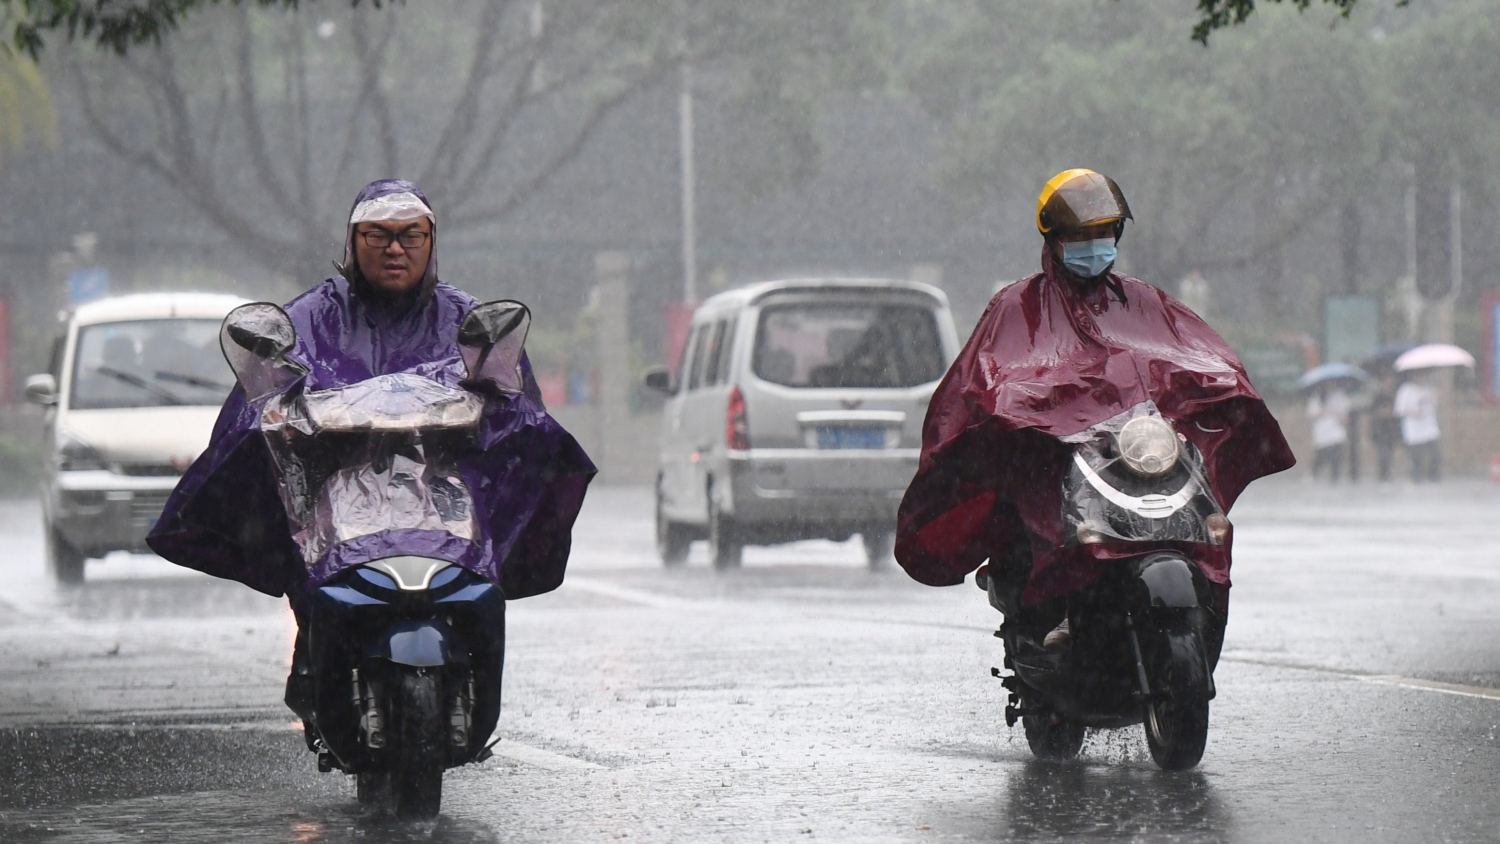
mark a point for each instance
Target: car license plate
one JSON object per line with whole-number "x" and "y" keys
{"x": 845, "y": 436}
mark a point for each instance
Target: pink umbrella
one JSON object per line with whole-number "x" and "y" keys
{"x": 1432, "y": 356}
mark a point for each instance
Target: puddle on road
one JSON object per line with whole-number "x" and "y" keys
{"x": 272, "y": 817}
{"x": 169, "y": 783}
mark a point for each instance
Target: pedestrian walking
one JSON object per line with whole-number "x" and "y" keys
{"x": 1385, "y": 425}
{"x": 1416, "y": 405}
{"x": 1328, "y": 408}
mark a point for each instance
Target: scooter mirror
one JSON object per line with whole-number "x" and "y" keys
{"x": 491, "y": 340}
{"x": 255, "y": 339}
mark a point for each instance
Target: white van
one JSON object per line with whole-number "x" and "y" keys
{"x": 133, "y": 388}
{"x": 797, "y": 413}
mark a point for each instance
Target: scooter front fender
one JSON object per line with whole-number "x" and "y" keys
{"x": 1168, "y": 580}
{"x": 420, "y": 644}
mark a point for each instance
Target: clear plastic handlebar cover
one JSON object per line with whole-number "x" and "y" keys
{"x": 374, "y": 456}
{"x": 399, "y": 402}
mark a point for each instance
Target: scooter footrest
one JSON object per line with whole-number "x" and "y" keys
{"x": 1016, "y": 713}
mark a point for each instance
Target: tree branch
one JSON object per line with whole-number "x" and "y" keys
{"x": 443, "y": 161}
{"x": 255, "y": 136}
{"x": 531, "y": 186}
{"x": 174, "y": 173}
{"x": 371, "y": 65}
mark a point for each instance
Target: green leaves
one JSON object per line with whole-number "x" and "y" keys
{"x": 1219, "y": 14}
{"x": 116, "y": 25}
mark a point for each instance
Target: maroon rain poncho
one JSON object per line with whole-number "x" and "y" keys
{"x": 1049, "y": 359}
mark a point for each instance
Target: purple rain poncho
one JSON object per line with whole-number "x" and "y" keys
{"x": 527, "y": 476}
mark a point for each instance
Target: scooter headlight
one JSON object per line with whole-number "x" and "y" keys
{"x": 1148, "y": 445}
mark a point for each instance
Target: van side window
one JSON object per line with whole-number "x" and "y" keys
{"x": 700, "y": 351}
{"x": 726, "y": 350}
{"x": 715, "y": 351}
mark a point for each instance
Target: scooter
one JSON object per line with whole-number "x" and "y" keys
{"x": 1143, "y": 640}
{"x": 398, "y": 666}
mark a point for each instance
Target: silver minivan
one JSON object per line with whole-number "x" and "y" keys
{"x": 131, "y": 395}
{"x": 796, "y": 413}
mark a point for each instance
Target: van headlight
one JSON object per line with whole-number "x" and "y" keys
{"x": 75, "y": 455}
{"x": 1148, "y": 445}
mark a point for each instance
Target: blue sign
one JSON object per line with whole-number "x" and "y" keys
{"x": 1495, "y": 348}
{"x": 88, "y": 283}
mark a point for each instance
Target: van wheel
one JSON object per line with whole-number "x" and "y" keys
{"x": 65, "y": 561}
{"x": 725, "y": 545}
{"x": 672, "y": 540}
{"x": 880, "y": 547}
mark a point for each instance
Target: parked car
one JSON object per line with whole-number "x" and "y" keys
{"x": 796, "y": 413}
{"x": 133, "y": 388}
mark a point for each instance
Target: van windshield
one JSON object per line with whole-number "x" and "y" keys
{"x": 149, "y": 363}
{"x": 837, "y": 344}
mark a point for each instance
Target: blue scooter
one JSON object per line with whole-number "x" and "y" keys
{"x": 397, "y": 669}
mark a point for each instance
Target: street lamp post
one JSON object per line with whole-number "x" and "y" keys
{"x": 689, "y": 189}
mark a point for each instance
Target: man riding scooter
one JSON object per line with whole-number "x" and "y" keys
{"x": 380, "y": 467}
{"x": 1088, "y": 442}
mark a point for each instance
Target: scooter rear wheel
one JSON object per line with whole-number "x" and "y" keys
{"x": 1053, "y": 738}
{"x": 421, "y": 753}
{"x": 1177, "y": 721}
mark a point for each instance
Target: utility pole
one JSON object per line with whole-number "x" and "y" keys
{"x": 689, "y": 189}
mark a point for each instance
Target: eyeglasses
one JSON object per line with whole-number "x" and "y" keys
{"x": 380, "y": 238}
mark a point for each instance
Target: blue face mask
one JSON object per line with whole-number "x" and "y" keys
{"x": 1089, "y": 258}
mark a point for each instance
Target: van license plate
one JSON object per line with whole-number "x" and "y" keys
{"x": 830, "y": 436}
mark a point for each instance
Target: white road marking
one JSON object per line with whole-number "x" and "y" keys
{"x": 1379, "y": 679}
{"x": 628, "y": 594}
{"x": 540, "y": 758}
{"x": 1433, "y": 686}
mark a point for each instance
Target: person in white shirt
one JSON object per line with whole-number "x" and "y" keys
{"x": 1416, "y": 405}
{"x": 1328, "y": 408}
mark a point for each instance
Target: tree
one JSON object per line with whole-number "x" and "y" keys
{"x": 25, "y": 103}
{"x": 1230, "y": 152}
{"x": 120, "y": 25}
{"x": 262, "y": 118}
{"x": 1214, "y": 15}
{"x": 116, "y": 26}
{"x": 1280, "y": 140}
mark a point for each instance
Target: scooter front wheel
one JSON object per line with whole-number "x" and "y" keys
{"x": 373, "y": 788}
{"x": 1177, "y": 720}
{"x": 416, "y": 780}
{"x": 1052, "y": 737}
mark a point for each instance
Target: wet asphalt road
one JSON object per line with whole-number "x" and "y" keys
{"x": 799, "y": 699}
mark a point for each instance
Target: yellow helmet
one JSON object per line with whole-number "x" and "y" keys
{"x": 1079, "y": 198}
